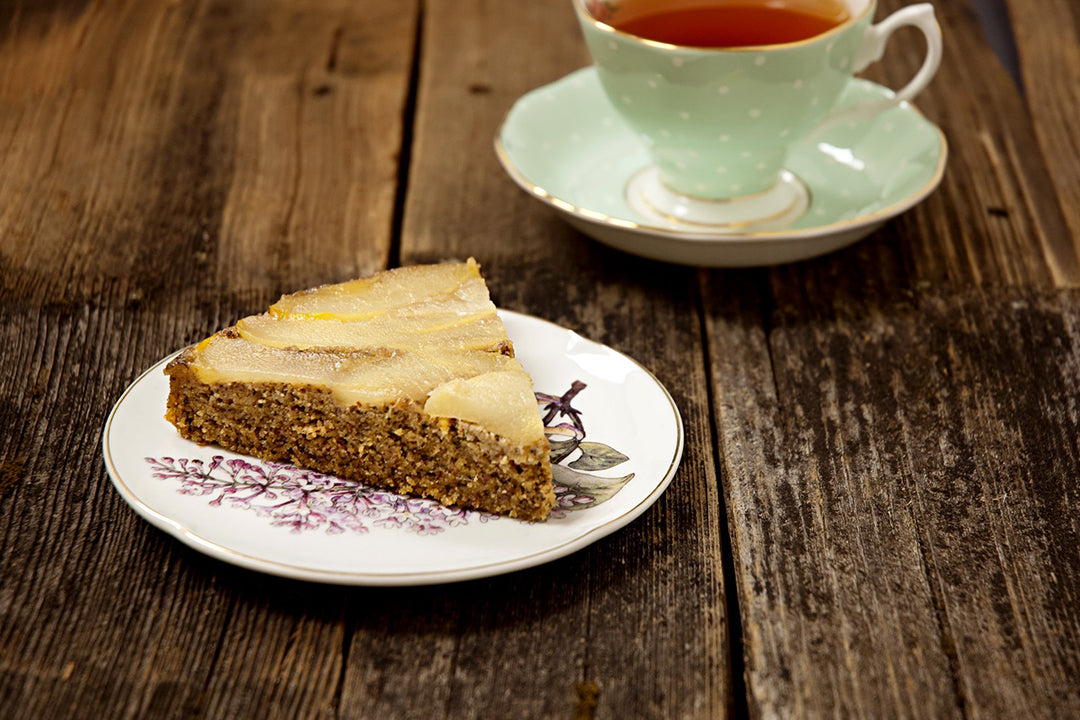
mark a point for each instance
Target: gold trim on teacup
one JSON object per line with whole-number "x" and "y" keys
{"x": 718, "y": 200}
{"x": 734, "y": 225}
{"x": 579, "y": 7}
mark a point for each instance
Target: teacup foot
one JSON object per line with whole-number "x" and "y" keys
{"x": 773, "y": 209}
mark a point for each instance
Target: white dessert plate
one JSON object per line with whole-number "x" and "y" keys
{"x": 617, "y": 440}
{"x": 567, "y": 146}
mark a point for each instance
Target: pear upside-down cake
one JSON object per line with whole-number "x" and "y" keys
{"x": 405, "y": 380}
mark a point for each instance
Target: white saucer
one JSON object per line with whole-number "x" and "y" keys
{"x": 285, "y": 521}
{"x": 566, "y": 145}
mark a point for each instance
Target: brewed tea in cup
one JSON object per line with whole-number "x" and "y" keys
{"x": 718, "y": 90}
{"x": 741, "y": 23}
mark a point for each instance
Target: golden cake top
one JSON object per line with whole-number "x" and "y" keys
{"x": 426, "y": 334}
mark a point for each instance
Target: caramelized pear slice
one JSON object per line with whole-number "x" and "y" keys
{"x": 428, "y": 335}
{"x": 501, "y": 401}
{"x": 371, "y": 376}
{"x": 396, "y": 289}
{"x": 451, "y": 332}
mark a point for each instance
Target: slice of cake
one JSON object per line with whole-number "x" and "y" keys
{"x": 404, "y": 381}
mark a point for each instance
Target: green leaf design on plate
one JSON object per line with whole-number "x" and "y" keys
{"x": 560, "y": 449}
{"x": 597, "y": 456}
{"x": 598, "y": 488}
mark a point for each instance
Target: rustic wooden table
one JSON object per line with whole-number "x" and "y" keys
{"x": 876, "y": 514}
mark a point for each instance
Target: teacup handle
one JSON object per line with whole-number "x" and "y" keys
{"x": 875, "y": 39}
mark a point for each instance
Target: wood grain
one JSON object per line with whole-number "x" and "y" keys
{"x": 229, "y": 139}
{"x": 876, "y": 511}
{"x": 995, "y": 219}
{"x": 659, "y": 581}
{"x": 897, "y": 428}
{"x": 167, "y": 168}
{"x": 901, "y": 496}
{"x": 1048, "y": 44}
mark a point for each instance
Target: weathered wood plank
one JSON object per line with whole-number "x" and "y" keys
{"x": 837, "y": 617}
{"x": 250, "y": 143}
{"x": 168, "y": 167}
{"x": 899, "y": 467}
{"x": 995, "y": 219}
{"x": 1048, "y": 45}
{"x": 867, "y": 409}
{"x": 996, "y": 495}
{"x": 71, "y": 603}
{"x": 642, "y": 614}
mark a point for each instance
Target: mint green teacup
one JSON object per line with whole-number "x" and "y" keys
{"x": 718, "y": 122}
